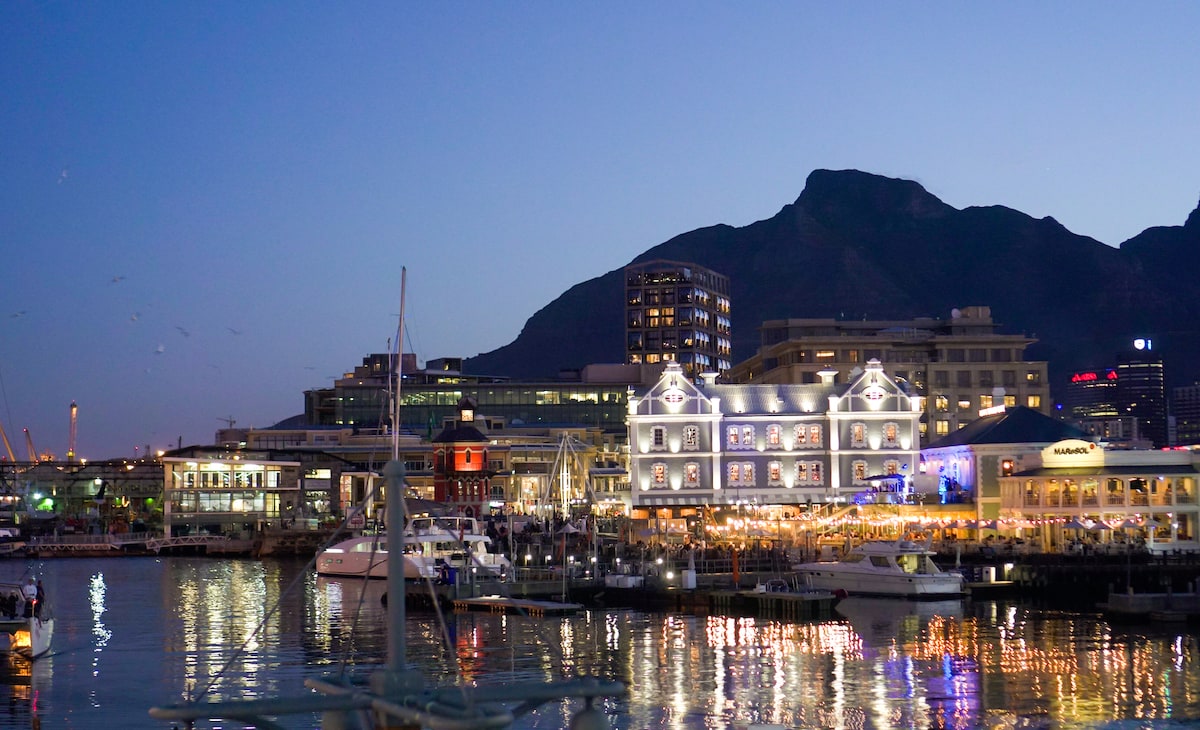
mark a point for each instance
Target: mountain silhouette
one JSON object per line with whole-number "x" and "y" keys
{"x": 860, "y": 246}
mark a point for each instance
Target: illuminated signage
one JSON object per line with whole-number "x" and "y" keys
{"x": 1142, "y": 343}
{"x": 1092, "y": 376}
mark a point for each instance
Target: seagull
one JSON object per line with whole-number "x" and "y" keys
{"x": 117, "y": 279}
{"x": 183, "y": 332}
{"x": 236, "y": 332}
{"x": 134, "y": 317}
{"x": 160, "y": 349}
{"x": 18, "y": 314}
{"x": 63, "y": 175}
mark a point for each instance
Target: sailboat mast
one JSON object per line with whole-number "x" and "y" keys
{"x": 399, "y": 368}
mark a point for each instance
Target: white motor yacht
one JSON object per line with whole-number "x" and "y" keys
{"x": 431, "y": 544}
{"x": 884, "y": 568}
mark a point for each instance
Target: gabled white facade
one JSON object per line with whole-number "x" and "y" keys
{"x": 697, "y": 444}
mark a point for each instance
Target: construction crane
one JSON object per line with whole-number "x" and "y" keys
{"x": 33, "y": 456}
{"x": 7, "y": 445}
{"x": 228, "y": 421}
{"x": 71, "y": 436}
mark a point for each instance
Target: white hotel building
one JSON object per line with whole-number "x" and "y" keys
{"x": 702, "y": 443}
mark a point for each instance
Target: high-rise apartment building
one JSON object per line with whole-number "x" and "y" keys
{"x": 1185, "y": 408}
{"x": 677, "y": 312}
{"x": 960, "y": 366}
{"x": 1141, "y": 391}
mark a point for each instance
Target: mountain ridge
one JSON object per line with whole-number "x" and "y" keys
{"x": 859, "y": 244}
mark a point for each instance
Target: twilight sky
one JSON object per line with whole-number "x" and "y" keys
{"x": 205, "y": 206}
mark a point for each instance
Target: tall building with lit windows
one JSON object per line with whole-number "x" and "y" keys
{"x": 677, "y": 312}
{"x": 1141, "y": 391}
{"x": 961, "y": 366}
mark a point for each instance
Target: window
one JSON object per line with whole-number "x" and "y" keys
{"x": 691, "y": 438}
{"x": 733, "y": 474}
{"x": 962, "y": 378}
{"x": 733, "y": 437}
{"x": 658, "y": 438}
{"x": 814, "y": 472}
{"x": 942, "y": 427}
{"x": 774, "y": 473}
{"x": 691, "y": 474}
{"x": 859, "y": 469}
{"x": 740, "y": 473}
{"x": 858, "y": 435}
{"x": 891, "y": 466}
{"x": 891, "y": 434}
{"x": 941, "y": 403}
{"x": 659, "y": 471}
{"x": 748, "y": 474}
{"x": 801, "y": 472}
{"x": 800, "y": 434}
{"x": 814, "y": 436}
{"x": 747, "y": 435}
{"x": 774, "y": 435}
{"x": 985, "y": 401}
{"x": 1034, "y": 401}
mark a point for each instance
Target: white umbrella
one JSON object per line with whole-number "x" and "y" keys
{"x": 568, "y": 529}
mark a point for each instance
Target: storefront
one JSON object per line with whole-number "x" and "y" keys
{"x": 1083, "y": 495}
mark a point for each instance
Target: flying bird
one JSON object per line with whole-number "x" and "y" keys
{"x": 134, "y": 317}
{"x": 183, "y": 332}
{"x": 117, "y": 279}
{"x": 63, "y": 175}
{"x": 236, "y": 332}
{"x": 18, "y": 314}
{"x": 160, "y": 349}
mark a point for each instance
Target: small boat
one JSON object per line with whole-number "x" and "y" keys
{"x": 433, "y": 547}
{"x": 26, "y": 624}
{"x": 884, "y": 568}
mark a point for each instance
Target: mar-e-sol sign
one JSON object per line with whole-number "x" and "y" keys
{"x": 1072, "y": 452}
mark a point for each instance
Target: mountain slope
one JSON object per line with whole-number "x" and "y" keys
{"x": 858, "y": 245}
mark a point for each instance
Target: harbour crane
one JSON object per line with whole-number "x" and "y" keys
{"x": 33, "y": 456}
{"x": 7, "y": 445}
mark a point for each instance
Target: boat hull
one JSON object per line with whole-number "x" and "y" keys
{"x": 30, "y": 638}
{"x": 835, "y": 577}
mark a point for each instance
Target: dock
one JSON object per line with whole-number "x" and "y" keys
{"x": 521, "y": 606}
{"x": 1152, "y": 607}
{"x": 784, "y": 605}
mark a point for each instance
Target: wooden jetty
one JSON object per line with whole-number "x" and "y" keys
{"x": 523, "y": 606}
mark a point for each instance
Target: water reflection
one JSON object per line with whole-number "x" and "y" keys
{"x": 134, "y": 633}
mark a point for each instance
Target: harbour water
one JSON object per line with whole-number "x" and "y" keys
{"x": 138, "y": 632}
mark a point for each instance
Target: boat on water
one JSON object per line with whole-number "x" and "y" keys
{"x": 26, "y": 621}
{"x": 433, "y": 546}
{"x": 884, "y": 568}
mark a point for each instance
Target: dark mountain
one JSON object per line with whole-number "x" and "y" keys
{"x": 856, "y": 245}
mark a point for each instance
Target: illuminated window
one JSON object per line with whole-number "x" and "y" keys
{"x": 747, "y": 435}
{"x": 1034, "y": 401}
{"x": 985, "y": 401}
{"x": 1010, "y": 401}
{"x": 941, "y": 403}
{"x": 814, "y": 472}
{"x": 659, "y": 470}
{"x": 774, "y": 434}
{"x": 774, "y": 473}
{"x": 691, "y": 438}
{"x": 801, "y": 472}
{"x": 891, "y": 466}
{"x": 814, "y": 436}
{"x": 733, "y": 437}
{"x": 891, "y": 434}
{"x": 942, "y": 427}
{"x": 858, "y": 435}
{"x": 748, "y": 474}
{"x": 800, "y": 434}
{"x": 691, "y": 474}
{"x": 733, "y": 473}
{"x": 859, "y": 469}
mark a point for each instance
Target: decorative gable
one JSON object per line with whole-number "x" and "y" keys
{"x": 674, "y": 394}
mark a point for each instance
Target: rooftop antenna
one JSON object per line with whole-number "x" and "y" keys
{"x": 399, "y": 371}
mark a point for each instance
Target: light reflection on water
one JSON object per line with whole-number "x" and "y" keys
{"x": 137, "y": 632}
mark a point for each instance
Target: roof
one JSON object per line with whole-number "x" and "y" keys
{"x": 1122, "y": 470}
{"x": 1019, "y": 425}
{"x": 460, "y": 434}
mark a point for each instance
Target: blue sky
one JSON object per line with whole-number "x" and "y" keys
{"x": 205, "y": 206}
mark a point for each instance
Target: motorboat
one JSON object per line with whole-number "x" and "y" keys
{"x": 26, "y": 621}
{"x": 433, "y": 546}
{"x": 884, "y": 568}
